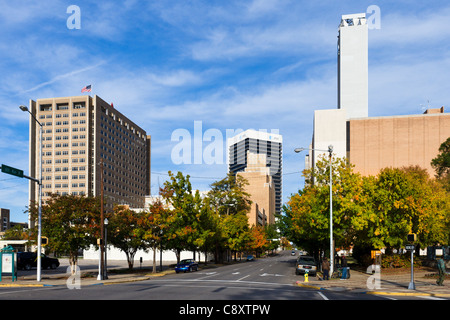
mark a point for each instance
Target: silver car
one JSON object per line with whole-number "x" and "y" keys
{"x": 306, "y": 264}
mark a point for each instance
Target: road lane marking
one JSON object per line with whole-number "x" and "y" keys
{"x": 243, "y": 277}
{"x": 322, "y": 295}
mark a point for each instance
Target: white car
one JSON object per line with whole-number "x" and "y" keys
{"x": 306, "y": 264}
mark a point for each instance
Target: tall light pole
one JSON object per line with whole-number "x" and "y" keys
{"x": 39, "y": 240}
{"x": 330, "y": 151}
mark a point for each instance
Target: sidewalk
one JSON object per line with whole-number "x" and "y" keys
{"x": 389, "y": 284}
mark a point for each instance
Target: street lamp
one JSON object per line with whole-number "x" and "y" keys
{"x": 105, "y": 269}
{"x": 38, "y": 275}
{"x": 330, "y": 151}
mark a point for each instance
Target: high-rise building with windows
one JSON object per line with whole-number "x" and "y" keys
{"x": 258, "y": 142}
{"x": 80, "y": 135}
{"x": 353, "y": 65}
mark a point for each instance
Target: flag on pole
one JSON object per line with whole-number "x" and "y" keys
{"x": 86, "y": 89}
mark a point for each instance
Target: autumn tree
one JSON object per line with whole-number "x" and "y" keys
{"x": 71, "y": 223}
{"x": 258, "y": 239}
{"x": 185, "y": 205}
{"x": 307, "y": 213}
{"x": 229, "y": 204}
{"x": 406, "y": 200}
{"x": 156, "y": 225}
{"x": 126, "y": 232}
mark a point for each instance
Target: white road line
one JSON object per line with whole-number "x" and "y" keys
{"x": 431, "y": 298}
{"x": 322, "y": 295}
{"x": 243, "y": 277}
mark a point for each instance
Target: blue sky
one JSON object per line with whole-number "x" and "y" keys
{"x": 262, "y": 64}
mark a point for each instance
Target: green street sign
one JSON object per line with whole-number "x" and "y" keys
{"x": 13, "y": 171}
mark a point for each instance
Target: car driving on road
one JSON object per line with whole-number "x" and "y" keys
{"x": 186, "y": 265}
{"x": 306, "y": 264}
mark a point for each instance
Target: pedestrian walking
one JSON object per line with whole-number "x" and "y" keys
{"x": 441, "y": 269}
{"x": 344, "y": 268}
{"x": 326, "y": 269}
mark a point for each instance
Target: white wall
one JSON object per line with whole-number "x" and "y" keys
{"x": 330, "y": 128}
{"x": 167, "y": 256}
{"x": 353, "y": 66}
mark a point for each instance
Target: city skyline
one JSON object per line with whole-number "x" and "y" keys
{"x": 264, "y": 64}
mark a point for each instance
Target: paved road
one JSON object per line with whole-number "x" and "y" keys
{"x": 264, "y": 279}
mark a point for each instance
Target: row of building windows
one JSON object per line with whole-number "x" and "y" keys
{"x": 59, "y": 130}
{"x": 62, "y": 106}
{"x": 64, "y": 153}
{"x": 64, "y": 185}
{"x": 81, "y": 136}
{"x": 63, "y": 123}
{"x": 74, "y": 144}
{"x": 62, "y": 115}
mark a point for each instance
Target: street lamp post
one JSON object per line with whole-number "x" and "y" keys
{"x": 105, "y": 267}
{"x": 39, "y": 240}
{"x": 330, "y": 151}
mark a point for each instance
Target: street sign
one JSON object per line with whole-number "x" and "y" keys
{"x": 13, "y": 171}
{"x": 409, "y": 247}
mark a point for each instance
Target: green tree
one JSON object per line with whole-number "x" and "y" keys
{"x": 407, "y": 200}
{"x": 15, "y": 233}
{"x": 442, "y": 164}
{"x": 71, "y": 223}
{"x": 126, "y": 232}
{"x": 307, "y": 213}
{"x": 185, "y": 205}
{"x": 228, "y": 205}
{"x": 156, "y": 223}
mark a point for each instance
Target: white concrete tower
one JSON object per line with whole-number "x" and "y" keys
{"x": 353, "y": 65}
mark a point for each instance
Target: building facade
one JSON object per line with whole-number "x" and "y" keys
{"x": 353, "y": 65}
{"x": 258, "y": 142}
{"x": 397, "y": 141}
{"x": 372, "y": 143}
{"x": 261, "y": 189}
{"x": 5, "y": 219}
{"x": 80, "y": 135}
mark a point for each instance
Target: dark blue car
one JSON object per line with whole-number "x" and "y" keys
{"x": 186, "y": 265}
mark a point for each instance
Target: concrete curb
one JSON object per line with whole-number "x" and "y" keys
{"x": 384, "y": 293}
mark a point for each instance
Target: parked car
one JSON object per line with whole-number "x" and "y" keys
{"x": 306, "y": 264}
{"x": 250, "y": 257}
{"x": 186, "y": 265}
{"x": 28, "y": 260}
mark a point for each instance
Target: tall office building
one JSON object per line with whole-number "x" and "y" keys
{"x": 79, "y": 132}
{"x": 258, "y": 142}
{"x": 330, "y": 126}
{"x": 353, "y": 66}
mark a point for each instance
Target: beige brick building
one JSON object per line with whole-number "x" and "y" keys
{"x": 396, "y": 141}
{"x": 79, "y": 132}
{"x": 261, "y": 189}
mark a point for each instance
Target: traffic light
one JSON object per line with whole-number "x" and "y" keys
{"x": 44, "y": 241}
{"x": 412, "y": 237}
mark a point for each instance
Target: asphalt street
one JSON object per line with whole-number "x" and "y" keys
{"x": 266, "y": 279}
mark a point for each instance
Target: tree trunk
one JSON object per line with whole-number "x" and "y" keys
{"x": 130, "y": 258}
{"x": 154, "y": 259}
